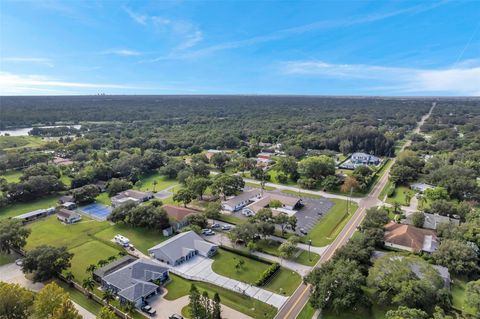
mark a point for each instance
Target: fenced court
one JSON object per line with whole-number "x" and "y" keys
{"x": 97, "y": 211}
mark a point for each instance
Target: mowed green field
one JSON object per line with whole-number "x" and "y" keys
{"x": 13, "y": 142}
{"x": 400, "y": 196}
{"x": 12, "y": 176}
{"x": 146, "y": 183}
{"x": 179, "y": 287}
{"x": 21, "y": 208}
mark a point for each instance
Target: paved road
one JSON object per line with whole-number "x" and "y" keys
{"x": 297, "y": 301}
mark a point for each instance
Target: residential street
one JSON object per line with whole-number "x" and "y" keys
{"x": 300, "y": 297}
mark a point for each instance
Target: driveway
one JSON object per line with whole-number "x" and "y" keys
{"x": 12, "y": 273}
{"x": 166, "y": 308}
{"x": 200, "y": 268}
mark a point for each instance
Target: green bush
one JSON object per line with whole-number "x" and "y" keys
{"x": 267, "y": 274}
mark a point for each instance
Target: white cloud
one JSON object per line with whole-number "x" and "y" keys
{"x": 138, "y": 18}
{"x": 461, "y": 79}
{"x": 123, "y": 52}
{"x": 42, "y": 61}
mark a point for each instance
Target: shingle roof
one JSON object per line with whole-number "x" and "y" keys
{"x": 242, "y": 197}
{"x": 409, "y": 236}
{"x": 174, "y": 247}
{"x": 177, "y": 213}
{"x": 114, "y": 265}
{"x": 65, "y": 213}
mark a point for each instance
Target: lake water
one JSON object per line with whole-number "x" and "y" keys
{"x": 24, "y": 131}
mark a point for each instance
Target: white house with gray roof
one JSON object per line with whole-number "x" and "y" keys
{"x": 134, "y": 281}
{"x": 238, "y": 202}
{"x": 181, "y": 248}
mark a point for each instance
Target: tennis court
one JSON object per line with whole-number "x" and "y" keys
{"x": 97, "y": 211}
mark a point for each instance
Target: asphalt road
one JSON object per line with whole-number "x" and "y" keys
{"x": 297, "y": 301}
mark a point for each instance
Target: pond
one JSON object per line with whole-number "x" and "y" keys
{"x": 24, "y": 131}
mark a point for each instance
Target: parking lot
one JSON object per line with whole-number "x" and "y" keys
{"x": 311, "y": 212}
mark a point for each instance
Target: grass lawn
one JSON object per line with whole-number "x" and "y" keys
{"x": 8, "y": 258}
{"x": 179, "y": 287}
{"x": 224, "y": 264}
{"x": 284, "y": 282}
{"x": 89, "y": 253}
{"x": 12, "y": 176}
{"x": 458, "y": 296}
{"x": 271, "y": 247}
{"x": 274, "y": 173}
{"x": 328, "y": 228}
{"x": 400, "y": 195}
{"x": 104, "y": 199}
{"x": 385, "y": 189}
{"x": 254, "y": 185}
{"x": 231, "y": 219}
{"x": 307, "y": 312}
{"x": 13, "y": 142}
{"x": 66, "y": 180}
{"x": 146, "y": 183}
{"x": 142, "y": 239}
{"x": 80, "y": 298}
{"x": 21, "y": 208}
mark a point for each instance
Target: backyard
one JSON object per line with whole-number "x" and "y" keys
{"x": 21, "y": 208}
{"x": 400, "y": 196}
{"x": 179, "y": 287}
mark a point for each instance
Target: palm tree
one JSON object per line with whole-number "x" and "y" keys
{"x": 396, "y": 207}
{"x": 108, "y": 296}
{"x": 88, "y": 284}
{"x": 91, "y": 268}
{"x": 69, "y": 277}
{"x": 154, "y": 185}
{"x": 129, "y": 308}
{"x": 102, "y": 262}
{"x": 111, "y": 258}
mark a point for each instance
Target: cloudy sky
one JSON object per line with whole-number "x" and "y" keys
{"x": 240, "y": 47}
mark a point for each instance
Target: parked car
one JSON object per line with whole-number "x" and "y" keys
{"x": 19, "y": 262}
{"x": 209, "y": 232}
{"x": 226, "y": 227}
{"x": 215, "y": 225}
{"x": 303, "y": 231}
{"x": 175, "y": 316}
{"x": 149, "y": 310}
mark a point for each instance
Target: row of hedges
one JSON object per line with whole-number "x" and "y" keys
{"x": 267, "y": 274}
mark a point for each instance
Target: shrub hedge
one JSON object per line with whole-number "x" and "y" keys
{"x": 267, "y": 274}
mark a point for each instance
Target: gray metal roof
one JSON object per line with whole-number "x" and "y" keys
{"x": 177, "y": 246}
{"x": 114, "y": 265}
{"x": 36, "y": 212}
{"x": 133, "y": 279}
{"x": 242, "y": 197}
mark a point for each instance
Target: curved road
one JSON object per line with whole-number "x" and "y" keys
{"x": 297, "y": 301}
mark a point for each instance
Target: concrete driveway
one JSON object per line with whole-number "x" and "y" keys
{"x": 166, "y": 308}
{"x": 12, "y": 273}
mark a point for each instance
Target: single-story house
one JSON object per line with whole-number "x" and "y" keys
{"x": 364, "y": 158}
{"x": 69, "y": 205}
{"x": 432, "y": 221}
{"x": 238, "y": 202}
{"x": 99, "y": 273}
{"x": 131, "y": 196}
{"x": 210, "y": 153}
{"x": 289, "y": 204}
{"x": 65, "y": 199}
{"x": 181, "y": 248}
{"x": 36, "y": 214}
{"x": 410, "y": 238}
{"x": 134, "y": 281}
{"x": 178, "y": 215}
{"x": 68, "y": 216}
{"x": 421, "y": 187}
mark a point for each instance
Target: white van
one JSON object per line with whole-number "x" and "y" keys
{"x": 122, "y": 240}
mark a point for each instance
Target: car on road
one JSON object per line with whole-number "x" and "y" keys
{"x": 149, "y": 310}
{"x": 226, "y": 227}
{"x": 19, "y": 262}
{"x": 175, "y": 316}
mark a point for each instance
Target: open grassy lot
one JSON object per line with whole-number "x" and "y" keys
{"x": 104, "y": 199}
{"x": 400, "y": 195}
{"x": 142, "y": 239}
{"x": 284, "y": 282}
{"x": 66, "y": 180}
{"x": 328, "y": 228}
{"x": 301, "y": 256}
{"x": 13, "y": 142}
{"x": 225, "y": 261}
{"x": 273, "y": 175}
{"x": 21, "y": 208}
{"x": 307, "y": 312}
{"x": 12, "y": 176}
{"x": 146, "y": 183}
{"x": 89, "y": 253}
{"x": 179, "y": 287}
{"x": 254, "y": 185}
{"x": 231, "y": 219}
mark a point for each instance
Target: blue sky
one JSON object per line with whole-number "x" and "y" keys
{"x": 240, "y": 47}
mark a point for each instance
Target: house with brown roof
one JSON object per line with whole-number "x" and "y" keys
{"x": 178, "y": 215}
{"x": 410, "y": 238}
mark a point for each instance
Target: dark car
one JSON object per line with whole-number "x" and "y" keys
{"x": 149, "y": 310}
